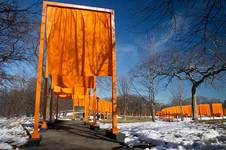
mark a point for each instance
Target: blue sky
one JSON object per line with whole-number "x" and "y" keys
{"x": 131, "y": 35}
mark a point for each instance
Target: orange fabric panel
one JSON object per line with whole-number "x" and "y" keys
{"x": 90, "y": 103}
{"x": 56, "y": 89}
{"x": 65, "y": 96}
{"x": 176, "y": 110}
{"x": 172, "y": 111}
{"x": 187, "y": 110}
{"x": 59, "y": 90}
{"x": 79, "y": 42}
{"x": 79, "y": 102}
{"x": 104, "y": 106}
{"x": 204, "y": 109}
{"x": 78, "y": 81}
{"x": 80, "y": 92}
{"x": 72, "y": 81}
{"x": 217, "y": 109}
{"x": 158, "y": 113}
{"x": 67, "y": 90}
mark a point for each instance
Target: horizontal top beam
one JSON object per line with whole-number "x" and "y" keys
{"x": 56, "y": 4}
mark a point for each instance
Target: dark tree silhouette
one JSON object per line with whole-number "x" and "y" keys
{"x": 18, "y": 36}
{"x": 195, "y": 49}
{"x": 124, "y": 85}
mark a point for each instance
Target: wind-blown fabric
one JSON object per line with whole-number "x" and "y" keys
{"x": 79, "y": 42}
{"x": 72, "y": 81}
{"x": 204, "y": 110}
{"x": 217, "y": 109}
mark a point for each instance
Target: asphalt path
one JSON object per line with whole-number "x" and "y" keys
{"x": 74, "y": 135}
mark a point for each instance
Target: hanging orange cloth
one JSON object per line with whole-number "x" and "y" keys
{"x": 217, "y": 109}
{"x": 79, "y": 42}
{"x": 80, "y": 94}
{"x": 71, "y": 81}
{"x": 187, "y": 110}
{"x": 204, "y": 109}
{"x": 104, "y": 106}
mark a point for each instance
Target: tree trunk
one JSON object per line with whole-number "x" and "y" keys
{"x": 124, "y": 110}
{"x": 153, "y": 105}
{"x": 140, "y": 109}
{"x": 152, "y": 111}
{"x": 181, "y": 110}
{"x": 194, "y": 104}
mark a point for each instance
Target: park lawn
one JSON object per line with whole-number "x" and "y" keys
{"x": 128, "y": 120}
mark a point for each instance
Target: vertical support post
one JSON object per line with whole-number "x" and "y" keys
{"x": 114, "y": 129}
{"x": 51, "y": 107}
{"x": 73, "y": 112}
{"x": 44, "y": 125}
{"x": 73, "y": 104}
{"x": 88, "y": 113}
{"x": 35, "y": 134}
{"x": 97, "y": 107}
{"x": 86, "y": 106}
{"x": 84, "y": 111}
{"x": 94, "y": 103}
{"x": 57, "y": 107}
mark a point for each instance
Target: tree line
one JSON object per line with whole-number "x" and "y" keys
{"x": 193, "y": 51}
{"x": 194, "y": 48}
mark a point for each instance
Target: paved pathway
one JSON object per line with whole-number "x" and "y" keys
{"x": 73, "y": 135}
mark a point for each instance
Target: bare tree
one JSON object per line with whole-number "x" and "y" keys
{"x": 146, "y": 78}
{"x": 124, "y": 86}
{"x": 177, "y": 92}
{"x": 18, "y": 27}
{"x": 191, "y": 69}
{"x": 20, "y": 96}
{"x": 195, "y": 49}
{"x": 104, "y": 85}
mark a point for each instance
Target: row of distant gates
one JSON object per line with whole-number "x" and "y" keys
{"x": 208, "y": 110}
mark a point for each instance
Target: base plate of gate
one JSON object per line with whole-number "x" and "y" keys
{"x": 33, "y": 142}
{"x": 120, "y": 137}
{"x": 96, "y": 127}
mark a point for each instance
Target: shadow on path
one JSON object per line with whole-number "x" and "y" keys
{"x": 73, "y": 135}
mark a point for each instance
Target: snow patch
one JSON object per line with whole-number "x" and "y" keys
{"x": 5, "y": 146}
{"x": 12, "y": 133}
{"x": 170, "y": 135}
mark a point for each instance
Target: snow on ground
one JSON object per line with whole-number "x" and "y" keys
{"x": 12, "y": 133}
{"x": 212, "y": 118}
{"x": 172, "y": 135}
{"x": 154, "y": 135}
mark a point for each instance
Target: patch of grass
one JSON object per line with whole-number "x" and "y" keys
{"x": 129, "y": 120}
{"x": 216, "y": 121}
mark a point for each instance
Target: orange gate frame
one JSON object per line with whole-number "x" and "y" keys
{"x": 35, "y": 134}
